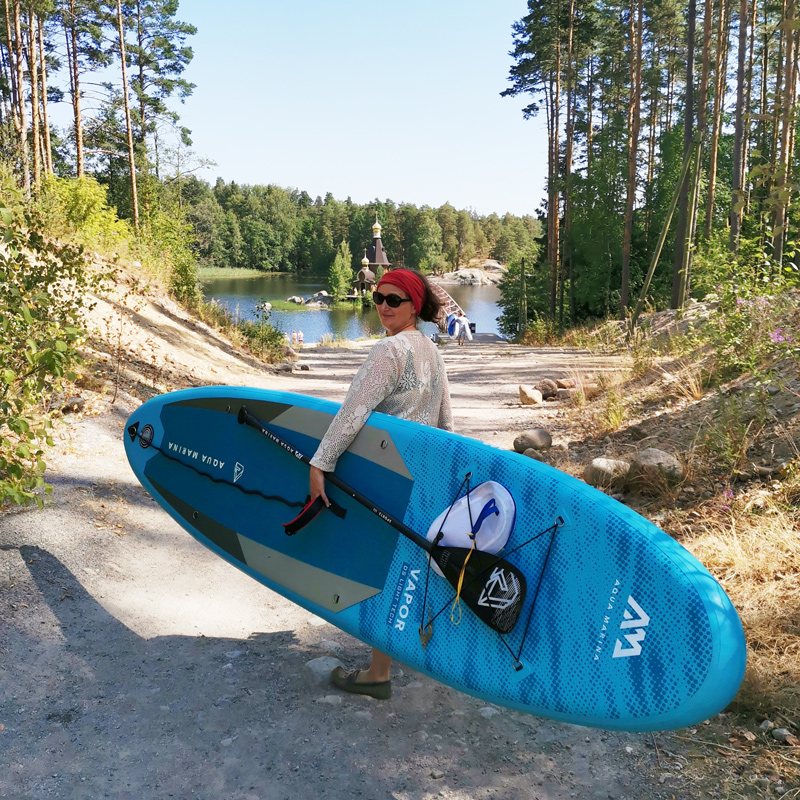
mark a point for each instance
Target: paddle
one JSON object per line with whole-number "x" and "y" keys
{"x": 491, "y": 587}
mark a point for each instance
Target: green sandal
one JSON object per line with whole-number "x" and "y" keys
{"x": 346, "y": 681}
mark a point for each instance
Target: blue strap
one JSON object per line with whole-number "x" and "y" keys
{"x": 489, "y": 509}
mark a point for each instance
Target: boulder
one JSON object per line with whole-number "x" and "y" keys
{"x": 530, "y": 396}
{"x": 565, "y": 383}
{"x": 652, "y": 470}
{"x": 548, "y": 388}
{"x": 73, "y": 405}
{"x": 295, "y": 299}
{"x": 606, "y": 473}
{"x": 564, "y": 394}
{"x": 537, "y": 439}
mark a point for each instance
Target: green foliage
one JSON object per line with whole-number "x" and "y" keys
{"x": 76, "y": 210}
{"x": 340, "y": 275}
{"x": 263, "y": 338}
{"x": 511, "y": 293}
{"x": 45, "y": 286}
{"x": 745, "y": 331}
{"x": 270, "y": 228}
{"x": 166, "y": 248}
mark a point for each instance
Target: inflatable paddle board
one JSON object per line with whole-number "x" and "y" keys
{"x": 614, "y": 624}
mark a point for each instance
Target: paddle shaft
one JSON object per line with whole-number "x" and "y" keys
{"x": 246, "y": 417}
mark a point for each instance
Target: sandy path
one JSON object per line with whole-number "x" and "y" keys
{"x": 136, "y": 664}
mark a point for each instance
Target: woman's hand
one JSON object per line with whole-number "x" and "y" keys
{"x": 317, "y": 485}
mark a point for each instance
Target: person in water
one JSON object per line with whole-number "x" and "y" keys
{"x": 403, "y": 375}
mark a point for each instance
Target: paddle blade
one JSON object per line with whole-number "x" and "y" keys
{"x": 493, "y": 588}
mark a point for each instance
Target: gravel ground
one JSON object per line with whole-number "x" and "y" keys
{"x": 135, "y": 663}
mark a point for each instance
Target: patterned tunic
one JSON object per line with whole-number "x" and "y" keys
{"x": 404, "y": 376}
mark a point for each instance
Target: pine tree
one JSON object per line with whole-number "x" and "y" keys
{"x": 340, "y": 275}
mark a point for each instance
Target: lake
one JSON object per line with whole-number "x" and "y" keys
{"x": 240, "y": 296}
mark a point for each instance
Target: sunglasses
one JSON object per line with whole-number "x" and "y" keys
{"x": 391, "y": 300}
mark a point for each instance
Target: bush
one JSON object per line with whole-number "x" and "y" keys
{"x": 76, "y": 210}
{"x": 45, "y": 286}
{"x": 166, "y": 250}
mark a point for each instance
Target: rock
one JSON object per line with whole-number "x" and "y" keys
{"x": 606, "y": 473}
{"x": 437, "y": 774}
{"x": 591, "y": 390}
{"x": 637, "y": 433}
{"x": 330, "y": 700}
{"x": 565, "y": 383}
{"x": 529, "y": 396}
{"x": 652, "y": 470}
{"x": 73, "y": 405}
{"x": 563, "y": 394}
{"x": 295, "y": 299}
{"x": 319, "y": 669}
{"x": 785, "y": 736}
{"x": 264, "y": 307}
{"x": 303, "y": 367}
{"x": 329, "y": 646}
{"x": 487, "y": 712}
{"x": 534, "y": 454}
{"x": 547, "y": 387}
{"x": 538, "y": 439}
{"x": 767, "y": 725}
{"x": 283, "y": 366}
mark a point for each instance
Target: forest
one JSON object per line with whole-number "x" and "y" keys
{"x": 672, "y": 156}
{"x": 120, "y": 65}
{"x": 671, "y": 163}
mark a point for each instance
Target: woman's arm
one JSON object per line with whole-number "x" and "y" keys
{"x": 445, "y": 410}
{"x": 374, "y": 382}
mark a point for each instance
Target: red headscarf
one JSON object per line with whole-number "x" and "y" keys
{"x": 409, "y": 282}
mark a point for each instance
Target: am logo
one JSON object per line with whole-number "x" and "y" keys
{"x": 636, "y": 618}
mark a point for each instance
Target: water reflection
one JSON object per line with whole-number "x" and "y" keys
{"x": 240, "y": 296}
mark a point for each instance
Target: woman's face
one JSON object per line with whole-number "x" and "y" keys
{"x": 402, "y": 318}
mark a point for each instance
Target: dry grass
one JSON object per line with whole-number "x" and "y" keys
{"x": 690, "y": 381}
{"x": 579, "y": 394}
{"x": 751, "y": 544}
{"x": 613, "y": 409}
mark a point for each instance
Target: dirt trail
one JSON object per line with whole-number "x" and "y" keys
{"x": 135, "y": 663}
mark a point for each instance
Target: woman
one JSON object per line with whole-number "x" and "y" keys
{"x": 403, "y": 375}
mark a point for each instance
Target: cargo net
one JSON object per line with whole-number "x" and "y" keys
{"x": 492, "y": 587}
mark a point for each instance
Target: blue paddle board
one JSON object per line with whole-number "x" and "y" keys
{"x": 621, "y": 627}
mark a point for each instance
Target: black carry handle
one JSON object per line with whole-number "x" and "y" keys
{"x": 310, "y": 511}
{"x": 493, "y": 588}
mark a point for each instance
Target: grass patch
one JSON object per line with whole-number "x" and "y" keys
{"x": 750, "y": 543}
{"x": 209, "y": 273}
{"x": 259, "y": 337}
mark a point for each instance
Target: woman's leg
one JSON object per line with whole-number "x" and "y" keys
{"x": 380, "y": 669}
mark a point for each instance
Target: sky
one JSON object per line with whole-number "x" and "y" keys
{"x": 390, "y": 99}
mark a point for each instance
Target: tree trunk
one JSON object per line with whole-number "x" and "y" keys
{"x": 782, "y": 190}
{"x": 652, "y": 147}
{"x": 737, "y": 195}
{"x": 634, "y": 120}
{"x": 12, "y": 69}
{"x": 140, "y": 39}
{"x": 553, "y": 188}
{"x": 681, "y": 241}
{"x": 33, "y": 72}
{"x": 75, "y": 84}
{"x": 128, "y": 126}
{"x": 702, "y": 124}
{"x": 48, "y": 149}
{"x": 720, "y": 89}
{"x": 589, "y": 113}
{"x": 23, "y": 122}
{"x": 570, "y": 137}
